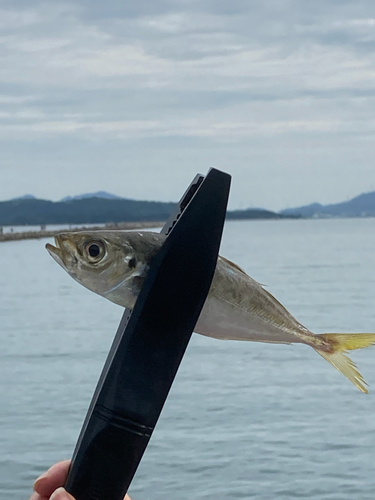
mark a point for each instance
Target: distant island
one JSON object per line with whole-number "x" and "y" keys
{"x": 360, "y": 206}
{"x": 99, "y": 208}
{"x": 105, "y": 208}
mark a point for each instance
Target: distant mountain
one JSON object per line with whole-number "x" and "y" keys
{"x": 83, "y": 211}
{"x": 98, "y": 194}
{"x": 360, "y": 206}
{"x": 25, "y": 197}
{"x": 102, "y": 207}
{"x": 95, "y": 210}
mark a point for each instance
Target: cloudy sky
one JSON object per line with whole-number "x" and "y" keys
{"x": 135, "y": 98}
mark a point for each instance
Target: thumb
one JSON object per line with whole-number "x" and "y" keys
{"x": 61, "y": 494}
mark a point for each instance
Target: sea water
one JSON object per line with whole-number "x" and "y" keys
{"x": 243, "y": 420}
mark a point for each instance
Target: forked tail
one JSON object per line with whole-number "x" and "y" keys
{"x": 336, "y": 345}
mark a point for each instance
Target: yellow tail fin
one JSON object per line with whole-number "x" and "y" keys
{"x": 340, "y": 343}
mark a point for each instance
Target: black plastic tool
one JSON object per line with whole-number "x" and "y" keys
{"x": 149, "y": 346}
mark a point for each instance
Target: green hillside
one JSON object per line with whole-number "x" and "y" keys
{"x": 26, "y": 211}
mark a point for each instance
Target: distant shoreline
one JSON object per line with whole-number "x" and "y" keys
{"x": 30, "y": 235}
{"x": 48, "y": 233}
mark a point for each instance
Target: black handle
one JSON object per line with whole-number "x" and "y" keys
{"x": 145, "y": 357}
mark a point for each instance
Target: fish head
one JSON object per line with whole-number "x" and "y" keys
{"x": 108, "y": 263}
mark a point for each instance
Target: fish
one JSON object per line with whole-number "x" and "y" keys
{"x": 114, "y": 264}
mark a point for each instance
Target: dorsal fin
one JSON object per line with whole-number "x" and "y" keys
{"x": 238, "y": 268}
{"x": 232, "y": 264}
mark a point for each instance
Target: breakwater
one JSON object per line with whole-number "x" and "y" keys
{"x": 27, "y": 235}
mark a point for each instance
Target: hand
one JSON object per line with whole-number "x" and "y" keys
{"x": 49, "y": 485}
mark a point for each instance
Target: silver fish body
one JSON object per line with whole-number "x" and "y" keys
{"x": 114, "y": 264}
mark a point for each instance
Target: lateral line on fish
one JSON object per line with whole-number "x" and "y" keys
{"x": 272, "y": 323}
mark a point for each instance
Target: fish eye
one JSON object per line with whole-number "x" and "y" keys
{"x": 95, "y": 250}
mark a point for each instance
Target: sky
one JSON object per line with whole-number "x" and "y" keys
{"x": 135, "y": 98}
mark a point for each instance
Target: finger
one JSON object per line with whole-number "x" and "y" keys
{"x": 35, "y": 496}
{"x": 61, "y": 494}
{"x": 54, "y": 477}
{"x": 65, "y": 496}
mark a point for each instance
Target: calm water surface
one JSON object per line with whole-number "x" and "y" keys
{"x": 243, "y": 420}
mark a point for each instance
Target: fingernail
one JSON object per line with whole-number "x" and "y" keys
{"x": 40, "y": 478}
{"x": 60, "y": 494}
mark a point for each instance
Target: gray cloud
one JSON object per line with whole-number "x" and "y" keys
{"x": 124, "y": 96}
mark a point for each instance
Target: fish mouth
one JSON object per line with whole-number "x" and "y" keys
{"x": 63, "y": 252}
{"x": 56, "y": 253}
